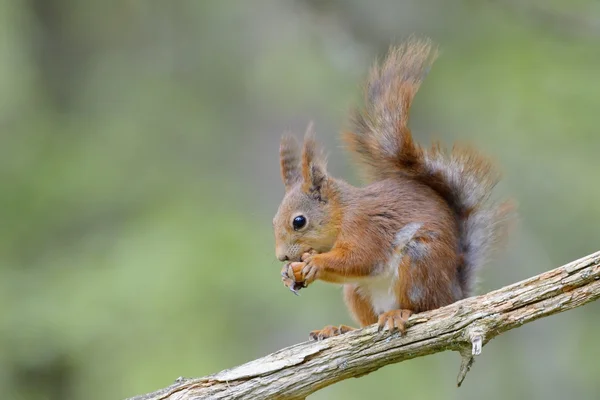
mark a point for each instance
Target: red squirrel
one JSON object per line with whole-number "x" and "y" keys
{"x": 413, "y": 238}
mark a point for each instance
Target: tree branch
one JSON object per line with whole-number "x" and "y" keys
{"x": 465, "y": 326}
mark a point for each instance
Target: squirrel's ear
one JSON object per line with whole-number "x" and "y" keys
{"x": 314, "y": 169}
{"x": 289, "y": 158}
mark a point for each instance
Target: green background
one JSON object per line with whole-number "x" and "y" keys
{"x": 139, "y": 177}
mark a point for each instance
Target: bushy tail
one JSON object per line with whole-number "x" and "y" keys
{"x": 382, "y": 141}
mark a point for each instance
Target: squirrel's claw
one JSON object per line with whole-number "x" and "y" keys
{"x": 296, "y": 286}
{"x": 310, "y": 273}
{"x": 394, "y": 320}
{"x": 329, "y": 331}
{"x": 296, "y": 271}
{"x": 290, "y": 284}
{"x": 289, "y": 279}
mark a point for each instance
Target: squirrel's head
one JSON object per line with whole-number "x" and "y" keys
{"x": 309, "y": 215}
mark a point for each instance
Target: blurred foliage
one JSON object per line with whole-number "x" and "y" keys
{"x": 139, "y": 176}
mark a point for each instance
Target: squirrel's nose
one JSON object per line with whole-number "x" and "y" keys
{"x": 280, "y": 253}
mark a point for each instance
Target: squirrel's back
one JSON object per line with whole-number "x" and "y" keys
{"x": 384, "y": 146}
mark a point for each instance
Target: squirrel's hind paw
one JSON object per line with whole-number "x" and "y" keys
{"x": 394, "y": 320}
{"x": 329, "y": 331}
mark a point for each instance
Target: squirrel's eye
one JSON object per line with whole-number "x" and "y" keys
{"x": 299, "y": 222}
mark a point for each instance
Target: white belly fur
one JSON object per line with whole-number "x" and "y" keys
{"x": 380, "y": 293}
{"x": 379, "y": 290}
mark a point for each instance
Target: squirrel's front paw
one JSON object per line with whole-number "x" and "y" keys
{"x": 299, "y": 273}
{"x": 305, "y": 272}
{"x": 308, "y": 256}
{"x": 287, "y": 277}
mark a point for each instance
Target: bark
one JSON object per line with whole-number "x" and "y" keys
{"x": 465, "y": 326}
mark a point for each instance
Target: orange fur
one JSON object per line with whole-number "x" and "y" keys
{"x": 359, "y": 306}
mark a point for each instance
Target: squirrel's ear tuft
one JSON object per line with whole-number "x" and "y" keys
{"x": 289, "y": 158}
{"x": 314, "y": 166}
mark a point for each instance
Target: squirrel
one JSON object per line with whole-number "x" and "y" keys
{"x": 410, "y": 240}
